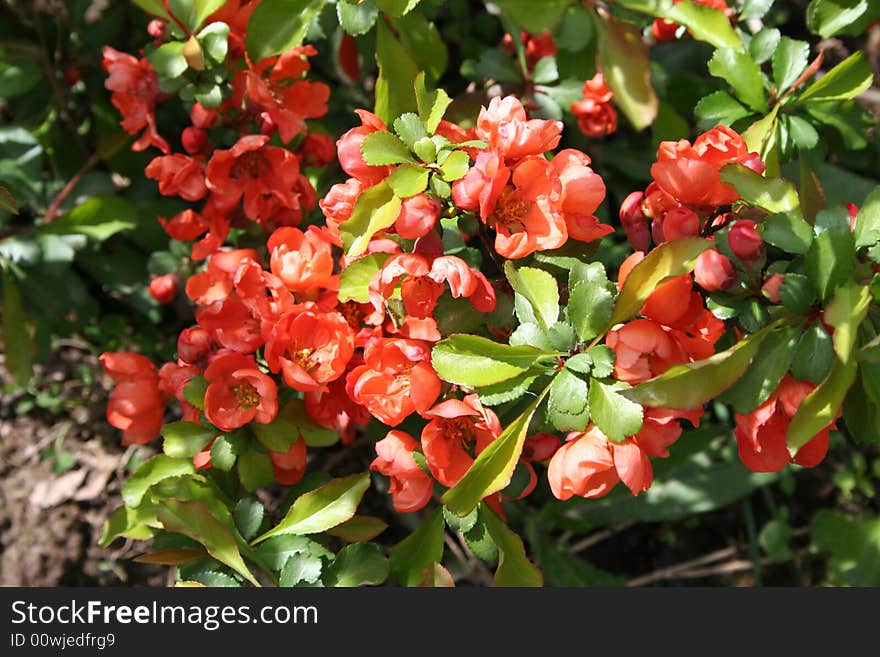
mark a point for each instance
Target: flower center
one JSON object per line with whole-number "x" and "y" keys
{"x": 250, "y": 165}
{"x": 304, "y": 358}
{"x": 353, "y": 314}
{"x": 246, "y": 395}
{"x": 510, "y": 214}
{"x": 461, "y": 430}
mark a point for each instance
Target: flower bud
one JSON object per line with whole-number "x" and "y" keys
{"x": 771, "y": 287}
{"x": 680, "y": 222}
{"x": 745, "y": 241}
{"x": 194, "y": 140}
{"x": 635, "y": 222}
{"x": 194, "y": 344}
{"x": 714, "y": 271}
{"x": 418, "y": 215}
{"x": 164, "y": 288}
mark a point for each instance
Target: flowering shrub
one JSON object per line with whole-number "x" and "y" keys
{"x": 473, "y": 301}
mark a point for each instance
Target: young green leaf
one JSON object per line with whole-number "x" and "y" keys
{"x": 408, "y": 180}
{"x": 514, "y": 568}
{"x": 381, "y": 148}
{"x": 323, "y": 508}
{"x": 615, "y": 415}
{"x": 376, "y": 209}
{"x": 473, "y": 361}
{"x": 431, "y": 104}
{"x": 567, "y": 406}
{"x": 423, "y": 547}
{"x": 845, "y": 313}
{"x": 354, "y": 280}
{"x": 820, "y": 407}
{"x": 775, "y": 195}
{"x": 152, "y": 472}
{"x": 539, "y": 288}
{"x": 185, "y": 439}
{"x": 743, "y": 74}
{"x": 789, "y": 61}
{"x": 691, "y": 385}
{"x": 279, "y": 25}
{"x": 705, "y": 24}
{"x": 357, "y": 19}
{"x": 719, "y": 108}
{"x": 195, "y": 520}
{"x": 846, "y": 80}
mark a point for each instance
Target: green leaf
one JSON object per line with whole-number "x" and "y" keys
{"x": 845, "y": 313}
{"x": 813, "y": 355}
{"x": 846, "y": 80}
{"x": 474, "y": 361}
{"x": 408, "y": 179}
{"x": 394, "y": 90}
{"x": 867, "y": 230}
{"x": 396, "y": 7}
{"x": 796, "y": 293}
{"x": 194, "y": 391}
{"x": 828, "y": 17}
{"x": 7, "y": 201}
{"x": 534, "y": 17}
{"x": 788, "y": 232}
{"x": 168, "y": 60}
{"x": 354, "y": 280}
{"x": 380, "y": 148}
{"x": 789, "y": 61}
{"x": 831, "y": 258}
{"x": 359, "y": 528}
{"x": 421, "y": 39}
{"x": 356, "y": 565}
{"x": 545, "y": 71}
{"x": 691, "y": 385}
{"x": 129, "y": 523}
{"x": 820, "y": 407}
{"x": 615, "y": 415}
{"x": 567, "y": 406}
{"x": 98, "y": 218}
{"x": 492, "y": 470}
{"x": 627, "y": 70}
{"x": 853, "y": 545}
{"x": 255, "y": 470}
{"x": 248, "y": 514}
{"x": 223, "y": 455}
{"x": 275, "y": 552}
{"x": 743, "y": 74}
{"x": 357, "y": 19}
{"x": 276, "y": 26}
{"x": 152, "y": 472}
{"x": 705, "y": 24}
{"x": 507, "y": 391}
{"x": 768, "y": 367}
{"x": 667, "y": 260}
{"x": 185, "y": 439}
{"x": 416, "y": 552}
{"x": 775, "y": 195}
{"x": 764, "y": 44}
{"x": 758, "y": 135}
{"x": 18, "y": 76}
{"x": 514, "y": 567}
{"x": 458, "y": 524}
{"x": 603, "y": 361}
{"x": 410, "y": 128}
{"x": 802, "y": 132}
{"x": 301, "y": 567}
{"x": 431, "y": 105}
{"x": 154, "y": 7}
{"x": 17, "y": 341}
{"x": 376, "y": 209}
{"x": 193, "y": 13}
{"x": 480, "y": 543}
{"x": 590, "y": 299}
{"x": 562, "y": 568}
{"x": 455, "y": 166}
{"x": 193, "y": 519}
{"x": 323, "y": 508}
{"x": 719, "y": 108}
{"x": 539, "y": 289}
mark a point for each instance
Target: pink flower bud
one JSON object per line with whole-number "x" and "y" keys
{"x": 680, "y": 222}
{"x": 635, "y": 222}
{"x": 193, "y": 139}
{"x": 714, "y": 271}
{"x": 771, "y": 287}
{"x": 417, "y": 217}
{"x": 745, "y": 241}
{"x": 194, "y": 344}
{"x": 164, "y": 288}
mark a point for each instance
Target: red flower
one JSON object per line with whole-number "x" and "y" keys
{"x": 714, "y": 272}
{"x": 194, "y": 344}
{"x": 509, "y": 132}
{"x": 333, "y": 409}
{"x": 267, "y": 178}
{"x": 643, "y": 350}
{"x": 135, "y": 86}
{"x": 302, "y": 260}
{"x": 338, "y": 203}
{"x": 583, "y": 466}
{"x": 317, "y": 150}
{"x": 273, "y": 87}
{"x": 690, "y": 175}
{"x": 290, "y": 466}
{"x": 178, "y": 175}
{"x": 418, "y": 216}
{"x": 459, "y": 430}
{"x": 395, "y": 380}
{"x": 238, "y": 393}
{"x": 760, "y": 435}
{"x": 410, "y": 487}
{"x": 310, "y": 349}
{"x": 136, "y": 405}
{"x": 595, "y": 114}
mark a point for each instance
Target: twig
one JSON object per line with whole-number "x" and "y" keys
{"x": 670, "y": 572}
{"x": 65, "y": 191}
{"x": 597, "y": 537}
